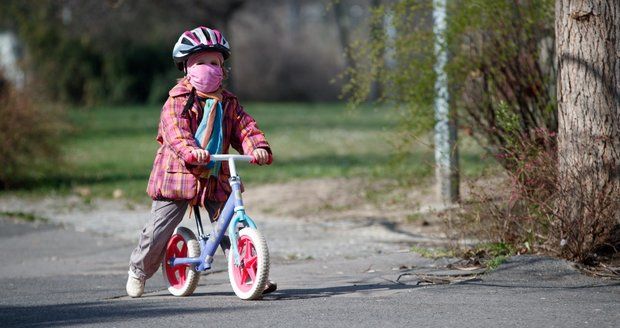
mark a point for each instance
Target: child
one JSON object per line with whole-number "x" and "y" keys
{"x": 198, "y": 112}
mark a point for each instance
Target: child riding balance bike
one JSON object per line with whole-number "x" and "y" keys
{"x": 199, "y": 122}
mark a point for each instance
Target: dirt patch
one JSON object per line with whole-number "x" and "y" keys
{"x": 328, "y": 199}
{"x": 412, "y": 210}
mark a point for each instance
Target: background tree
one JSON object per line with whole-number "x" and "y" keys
{"x": 588, "y": 88}
{"x": 500, "y": 70}
{"x": 116, "y": 52}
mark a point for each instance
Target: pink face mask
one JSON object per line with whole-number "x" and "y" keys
{"x": 204, "y": 77}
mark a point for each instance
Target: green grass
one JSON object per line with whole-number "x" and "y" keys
{"x": 491, "y": 255}
{"x": 113, "y": 148}
{"x": 23, "y": 216}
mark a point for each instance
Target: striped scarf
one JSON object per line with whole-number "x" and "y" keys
{"x": 210, "y": 132}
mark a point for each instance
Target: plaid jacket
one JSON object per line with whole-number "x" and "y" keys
{"x": 172, "y": 176}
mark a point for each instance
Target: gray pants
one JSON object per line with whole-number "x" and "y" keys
{"x": 165, "y": 217}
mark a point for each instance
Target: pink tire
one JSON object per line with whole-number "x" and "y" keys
{"x": 249, "y": 278}
{"x": 181, "y": 279}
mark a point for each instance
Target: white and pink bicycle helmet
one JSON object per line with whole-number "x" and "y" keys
{"x": 199, "y": 39}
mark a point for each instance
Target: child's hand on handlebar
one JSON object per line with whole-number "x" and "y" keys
{"x": 261, "y": 156}
{"x": 200, "y": 156}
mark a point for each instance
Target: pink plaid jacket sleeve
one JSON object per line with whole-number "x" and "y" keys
{"x": 245, "y": 135}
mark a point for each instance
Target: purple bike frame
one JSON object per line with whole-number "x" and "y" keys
{"x": 234, "y": 208}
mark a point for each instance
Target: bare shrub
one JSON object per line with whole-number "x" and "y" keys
{"x": 526, "y": 214}
{"x": 590, "y": 228}
{"x": 28, "y": 138}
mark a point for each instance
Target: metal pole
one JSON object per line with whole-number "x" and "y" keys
{"x": 446, "y": 156}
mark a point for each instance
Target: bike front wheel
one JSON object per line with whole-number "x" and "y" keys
{"x": 248, "y": 279}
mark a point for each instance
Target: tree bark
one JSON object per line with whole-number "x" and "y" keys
{"x": 588, "y": 53}
{"x": 343, "y": 24}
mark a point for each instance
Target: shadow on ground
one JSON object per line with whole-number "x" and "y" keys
{"x": 309, "y": 293}
{"x": 92, "y": 313}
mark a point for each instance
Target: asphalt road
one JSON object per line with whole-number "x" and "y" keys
{"x": 54, "y": 276}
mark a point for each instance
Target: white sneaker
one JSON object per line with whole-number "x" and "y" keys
{"x": 135, "y": 285}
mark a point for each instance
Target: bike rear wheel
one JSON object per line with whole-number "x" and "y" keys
{"x": 181, "y": 279}
{"x": 249, "y": 278}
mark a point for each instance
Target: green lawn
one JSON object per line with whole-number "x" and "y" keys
{"x": 113, "y": 148}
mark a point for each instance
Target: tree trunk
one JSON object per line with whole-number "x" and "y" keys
{"x": 343, "y": 24}
{"x": 376, "y": 30}
{"x": 588, "y": 53}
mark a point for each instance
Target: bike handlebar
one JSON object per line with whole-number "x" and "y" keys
{"x": 226, "y": 157}
{"x": 231, "y": 161}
